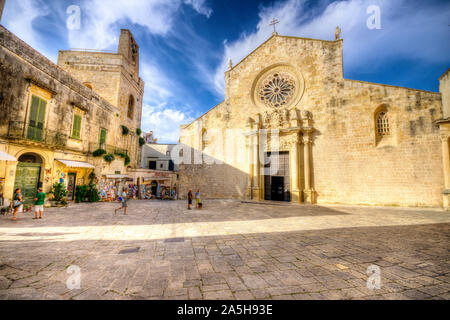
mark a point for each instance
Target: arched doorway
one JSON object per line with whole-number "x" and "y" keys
{"x": 154, "y": 186}
{"x": 28, "y": 175}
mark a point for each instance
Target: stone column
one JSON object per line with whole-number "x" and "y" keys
{"x": 256, "y": 188}
{"x": 309, "y": 192}
{"x": 250, "y": 167}
{"x": 295, "y": 165}
{"x": 446, "y": 167}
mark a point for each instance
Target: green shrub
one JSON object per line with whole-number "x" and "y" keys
{"x": 92, "y": 193}
{"x": 138, "y": 131}
{"x": 59, "y": 191}
{"x": 99, "y": 152}
{"x": 81, "y": 193}
{"x": 109, "y": 158}
{"x": 125, "y": 130}
{"x": 127, "y": 160}
{"x": 141, "y": 141}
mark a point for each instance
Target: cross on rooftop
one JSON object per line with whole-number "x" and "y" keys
{"x": 273, "y": 23}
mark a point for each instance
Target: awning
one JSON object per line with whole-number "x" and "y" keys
{"x": 155, "y": 179}
{"x": 117, "y": 176}
{"x": 76, "y": 164}
{"x": 6, "y": 157}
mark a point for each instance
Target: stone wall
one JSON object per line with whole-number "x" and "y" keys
{"x": 349, "y": 164}
{"x": 115, "y": 77}
{"x": 24, "y": 71}
{"x": 444, "y": 88}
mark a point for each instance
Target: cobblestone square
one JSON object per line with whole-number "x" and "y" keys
{"x": 228, "y": 250}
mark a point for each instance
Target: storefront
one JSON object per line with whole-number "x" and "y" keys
{"x": 154, "y": 184}
{"x": 73, "y": 173}
{"x": 111, "y": 186}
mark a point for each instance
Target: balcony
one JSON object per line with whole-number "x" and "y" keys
{"x": 22, "y": 131}
{"x": 109, "y": 148}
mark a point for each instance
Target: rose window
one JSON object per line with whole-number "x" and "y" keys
{"x": 277, "y": 90}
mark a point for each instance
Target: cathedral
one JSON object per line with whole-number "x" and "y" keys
{"x": 292, "y": 128}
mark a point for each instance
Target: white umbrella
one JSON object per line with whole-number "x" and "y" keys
{"x": 6, "y": 157}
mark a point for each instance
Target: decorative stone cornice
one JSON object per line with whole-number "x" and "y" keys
{"x": 445, "y": 137}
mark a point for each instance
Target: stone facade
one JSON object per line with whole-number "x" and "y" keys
{"x": 26, "y": 76}
{"x": 348, "y": 141}
{"x": 160, "y": 154}
{"x": 444, "y": 128}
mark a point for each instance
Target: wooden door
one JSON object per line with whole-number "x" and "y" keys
{"x": 27, "y": 179}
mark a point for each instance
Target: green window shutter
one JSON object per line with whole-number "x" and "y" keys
{"x": 41, "y": 119}
{"x": 102, "y": 136}
{"x": 37, "y": 118}
{"x": 34, "y": 111}
{"x": 76, "y": 130}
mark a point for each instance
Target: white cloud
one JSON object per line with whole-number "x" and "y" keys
{"x": 100, "y": 19}
{"x": 18, "y": 17}
{"x": 200, "y": 7}
{"x": 157, "y": 86}
{"x": 164, "y": 121}
{"x": 412, "y": 30}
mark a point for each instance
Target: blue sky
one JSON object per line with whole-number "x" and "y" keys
{"x": 185, "y": 45}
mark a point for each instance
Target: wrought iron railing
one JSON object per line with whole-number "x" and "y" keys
{"x": 19, "y": 130}
{"x": 24, "y": 131}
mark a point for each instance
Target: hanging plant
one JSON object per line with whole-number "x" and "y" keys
{"x": 99, "y": 152}
{"x": 125, "y": 130}
{"x": 126, "y": 160}
{"x": 109, "y": 158}
{"x": 138, "y": 131}
{"x": 141, "y": 141}
{"x": 125, "y": 157}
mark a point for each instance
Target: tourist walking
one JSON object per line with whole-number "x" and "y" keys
{"x": 190, "y": 199}
{"x": 17, "y": 203}
{"x": 39, "y": 204}
{"x": 123, "y": 201}
{"x": 197, "y": 199}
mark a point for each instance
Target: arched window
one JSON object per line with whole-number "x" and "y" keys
{"x": 130, "y": 106}
{"x": 382, "y": 122}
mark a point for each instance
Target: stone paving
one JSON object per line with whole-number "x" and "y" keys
{"x": 228, "y": 250}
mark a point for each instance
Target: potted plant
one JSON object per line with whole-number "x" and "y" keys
{"x": 99, "y": 152}
{"x": 108, "y": 158}
{"x": 125, "y": 130}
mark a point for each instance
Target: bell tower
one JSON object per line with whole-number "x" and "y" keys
{"x": 129, "y": 49}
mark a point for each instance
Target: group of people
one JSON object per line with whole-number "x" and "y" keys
{"x": 39, "y": 200}
{"x": 198, "y": 202}
{"x": 17, "y": 204}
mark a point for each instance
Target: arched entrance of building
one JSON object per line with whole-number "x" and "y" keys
{"x": 154, "y": 187}
{"x": 28, "y": 175}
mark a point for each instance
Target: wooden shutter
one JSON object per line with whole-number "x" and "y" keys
{"x": 37, "y": 118}
{"x": 41, "y": 119}
{"x": 102, "y": 136}
{"x": 76, "y": 129}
